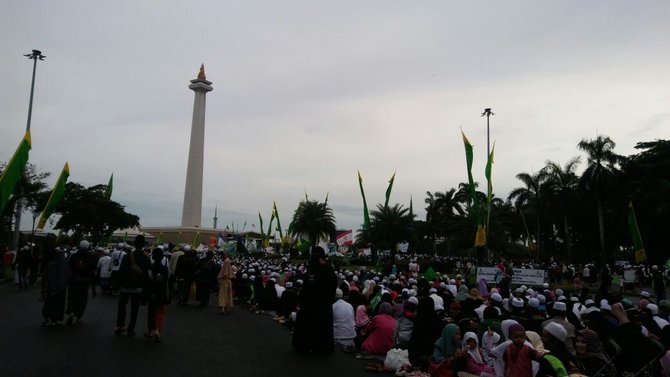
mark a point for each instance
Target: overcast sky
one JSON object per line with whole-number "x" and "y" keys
{"x": 308, "y": 92}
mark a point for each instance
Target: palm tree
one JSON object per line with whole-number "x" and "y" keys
{"x": 390, "y": 225}
{"x": 530, "y": 197}
{"x": 313, "y": 220}
{"x": 562, "y": 182}
{"x": 600, "y": 175}
{"x": 442, "y": 209}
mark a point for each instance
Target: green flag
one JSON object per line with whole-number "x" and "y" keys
{"x": 411, "y": 209}
{"x": 430, "y": 274}
{"x": 366, "y": 215}
{"x": 14, "y": 170}
{"x": 110, "y": 185}
{"x": 640, "y": 254}
{"x": 276, "y": 214}
{"x": 272, "y": 217}
{"x": 487, "y": 172}
{"x": 303, "y": 245}
{"x": 196, "y": 242}
{"x": 388, "y": 191}
{"x": 480, "y": 237}
{"x": 260, "y": 218}
{"x": 56, "y": 195}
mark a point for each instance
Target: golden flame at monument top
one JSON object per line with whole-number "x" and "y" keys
{"x": 201, "y": 74}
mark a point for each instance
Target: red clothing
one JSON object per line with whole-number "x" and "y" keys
{"x": 518, "y": 361}
{"x": 380, "y": 335}
{"x": 474, "y": 367}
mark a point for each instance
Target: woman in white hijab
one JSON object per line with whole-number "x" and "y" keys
{"x": 474, "y": 363}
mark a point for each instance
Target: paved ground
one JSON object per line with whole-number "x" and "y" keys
{"x": 197, "y": 342}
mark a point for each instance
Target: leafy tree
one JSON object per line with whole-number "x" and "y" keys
{"x": 562, "y": 183}
{"x": 443, "y": 211}
{"x": 389, "y": 226}
{"x": 31, "y": 189}
{"x": 88, "y": 212}
{"x": 314, "y": 220}
{"x": 600, "y": 176}
{"x": 529, "y": 199}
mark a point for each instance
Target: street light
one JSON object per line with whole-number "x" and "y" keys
{"x": 35, "y": 56}
{"x": 488, "y": 114}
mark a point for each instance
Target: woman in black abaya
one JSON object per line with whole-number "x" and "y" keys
{"x": 314, "y": 324}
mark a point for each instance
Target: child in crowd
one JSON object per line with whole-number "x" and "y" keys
{"x": 518, "y": 355}
{"x": 475, "y": 363}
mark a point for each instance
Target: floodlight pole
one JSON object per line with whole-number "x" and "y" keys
{"x": 35, "y": 56}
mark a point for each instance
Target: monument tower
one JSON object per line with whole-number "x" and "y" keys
{"x": 191, "y": 213}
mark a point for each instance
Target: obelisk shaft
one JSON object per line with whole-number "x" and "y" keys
{"x": 192, "y": 211}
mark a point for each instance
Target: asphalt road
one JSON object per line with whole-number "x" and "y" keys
{"x": 196, "y": 342}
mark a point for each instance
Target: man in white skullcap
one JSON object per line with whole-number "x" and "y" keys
{"x": 344, "y": 325}
{"x": 558, "y": 311}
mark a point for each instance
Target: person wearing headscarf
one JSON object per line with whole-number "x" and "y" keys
{"x": 472, "y": 301}
{"x": 462, "y": 294}
{"x": 405, "y": 323}
{"x": 158, "y": 295}
{"x": 447, "y": 355}
{"x": 314, "y": 322}
{"x": 205, "y": 277}
{"x": 56, "y": 277}
{"x": 591, "y": 354}
{"x": 474, "y": 357}
{"x": 379, "y": 332}
{"x": 427, "y": 329}
{"x": 82, "y": 266}
{"x": 226, "y": 276}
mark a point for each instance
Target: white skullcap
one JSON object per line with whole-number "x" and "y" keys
{"x": 559, "y": 292}
{"x": 524, "y": 288}
{"x": 574, "y": 299}
{"x": 355, "y": 278}
{"x": 534, "y": 303}
{"x": 545, "y": 285}
{"x": 560, "y": 306}
{"x": 432, "y": 290}
{"x": 541, "y": 299}
{"x": 288, "y": 284}
{"x": 557, "y": 330}
{"x": 644, "y": 294}
{"x": 562, "y": 298}
{"x": 443, "y": 285}
{"x": 413, "y": 300}
{"x": 338, "y": 293}
{"x": 496, "y": 297}
{"x": 604, "y": 304}
{"x": 438, "y": 302}
{"x": 412, "y": 293}
{"x": 517, "y": 302}
{"x": 519, "y": 290}
{"x": 589, "y": 302}
{"x": 653, "y": 308}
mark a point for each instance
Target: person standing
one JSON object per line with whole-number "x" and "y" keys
{"x": 158, "y": 296}
{"x": 313, "y": 330}
{"x": 56, "y": 276}
{"x": 116, "y": 257}
{"x": 133, "y": 276}
{"x": 82, "y": 266}
{"x": 226, "y": 275}
{"x": 104, "y": 271}
{"x": 658, "y": 281}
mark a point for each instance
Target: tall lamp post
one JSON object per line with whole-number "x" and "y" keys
{"x": 488, "y": 114}
{"x": 35, "y": 56}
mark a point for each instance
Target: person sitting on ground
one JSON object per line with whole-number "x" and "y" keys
{"x": 474, "y": 356}
{"x": 403, "y": 329}
{"x": 591, "y": 355}
{"x": 379, "y": 332}
{"x": 447, "y": 358}
{"x": 344, "y": 325}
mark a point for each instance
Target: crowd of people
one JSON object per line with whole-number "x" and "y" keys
{"x": 446, "y": 325}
